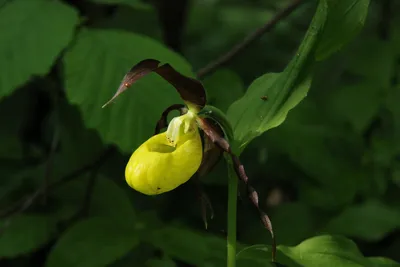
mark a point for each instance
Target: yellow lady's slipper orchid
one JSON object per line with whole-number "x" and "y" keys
{"x": 166, "y": 160}
{"x": 169, "y": 159}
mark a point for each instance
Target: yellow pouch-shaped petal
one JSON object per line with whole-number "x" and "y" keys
{"x": 157, "y": 166}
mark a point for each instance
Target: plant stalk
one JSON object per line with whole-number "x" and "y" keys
{"x": 232, "y": 210}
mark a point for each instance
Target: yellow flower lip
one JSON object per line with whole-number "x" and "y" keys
{"x": 166, "y": 160}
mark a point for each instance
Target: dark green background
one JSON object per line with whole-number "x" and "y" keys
{"x": 332, "y": 168}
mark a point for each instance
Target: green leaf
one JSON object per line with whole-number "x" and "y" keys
{"x": 252, "y": 115}
{"x": 131, "y": 3}
{"x": 327, "y": 251}
{"x": 94, "y": 68}
{"x": 223, "y": 88}
{"x": 29, "y": 44}
{"x": 92, "y": 242}
{"x": 345, "y": 20}
{"x": 370, "y": 221}
{"x": 24, "y": 234}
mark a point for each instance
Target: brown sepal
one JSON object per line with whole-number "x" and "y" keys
{"x": 190, "y": 90}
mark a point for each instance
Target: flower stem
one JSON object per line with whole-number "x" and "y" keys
{"x": 232, "y": 209}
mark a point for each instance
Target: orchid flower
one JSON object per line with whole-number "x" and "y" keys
{"x": 192, "y": 143}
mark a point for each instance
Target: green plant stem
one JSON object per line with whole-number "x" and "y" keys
{"x": 232, "y": 209}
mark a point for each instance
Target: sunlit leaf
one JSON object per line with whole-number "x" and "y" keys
{"x": 328, "y": 251}
{"x": 29, "y": 44}
{"x": 94, "y": 68}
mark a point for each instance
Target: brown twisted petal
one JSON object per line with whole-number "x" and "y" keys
{"x": 190, "y": 90}
{"x": 240, "y": 172}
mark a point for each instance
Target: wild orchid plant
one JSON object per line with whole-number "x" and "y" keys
{"x": 192, "y": 144}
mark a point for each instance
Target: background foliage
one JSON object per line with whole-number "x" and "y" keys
{"x": 329, "y": 176}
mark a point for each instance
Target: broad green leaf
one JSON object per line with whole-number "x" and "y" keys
{"x": 29, "y": 44}
{"x": 132, "y": 3}
{"x": 94, "y": 68}
{"x": 223, "y": 88}
{"x": 24, "y": 234}
{"x": 327, "y": 251}
{"x": 92, "y": 242}
{"x": 252, "y": 115}
{"x": 370, "y": 221}
{"x": 345, "y": 19}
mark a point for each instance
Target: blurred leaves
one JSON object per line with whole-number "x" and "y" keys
{"x": 106, "y": 196}
{"x": 355, "y": 104}
{"x": 199, "y": 249}
{"x": 92, "y": 242}
{"x": 29, "y": 44}
{"x": 131, "y": 3}
{"x": 370, "y": 221}
{"x": 95, "y": 66}
{"x": 223, "y": 88}
{"x": 25, "y": 233}
{"x": 317, "y": 149}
